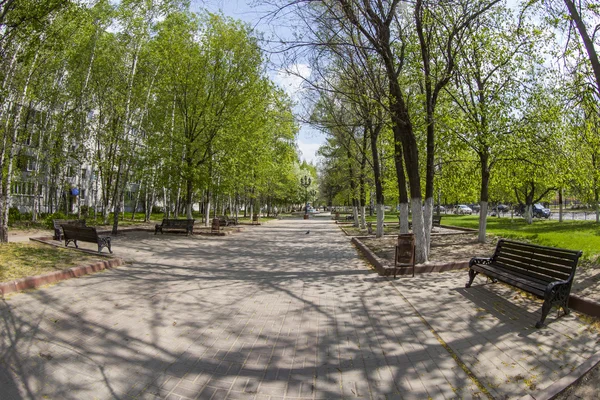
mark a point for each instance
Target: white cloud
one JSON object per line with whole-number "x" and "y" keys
{"x": 308, "y": 151}
{"x": 291, "y": 78}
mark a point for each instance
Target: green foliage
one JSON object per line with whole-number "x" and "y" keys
{"x": 49, "y": 219}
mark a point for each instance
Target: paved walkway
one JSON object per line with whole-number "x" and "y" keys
{"x": 273, "y": 313}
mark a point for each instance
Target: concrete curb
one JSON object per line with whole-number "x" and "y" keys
{"x": 382, "y": 269}
{"x": 566, "y": 381}
{"x": 33, "y": 282}
{"x": 584, "y": 305}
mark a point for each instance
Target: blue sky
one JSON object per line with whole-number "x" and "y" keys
{"x": 309, "y": 140}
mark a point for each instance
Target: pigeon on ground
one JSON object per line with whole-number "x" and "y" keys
{"x": 307, "y": 232}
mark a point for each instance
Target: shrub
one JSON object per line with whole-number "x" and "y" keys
{"x": 14, "y": 215}
{"x": 157, "y": 210}
{"x": 48, "y": 221}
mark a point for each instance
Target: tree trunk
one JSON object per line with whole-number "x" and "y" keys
{"x": 402, "y": 192}
{"x": 404, "y": 134}
{"x": 374, "y": 135}
{"x": 529, "y": 213}
{"x": 483, "y": 196}
{"x": 587, "y": 42}
{"x": 12, "y": 152}
{"x": 560, "y": 205}
{"x": 208, "y": 205}
{"x": 188, "y": 199}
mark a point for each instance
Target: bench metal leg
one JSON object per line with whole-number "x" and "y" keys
{"x": 104, "y": 242}
{"x": 545, "y": 310}
{"x": 472, "y": 275}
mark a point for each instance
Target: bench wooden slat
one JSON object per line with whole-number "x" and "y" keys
{"x": 570, "y": 255}
{"x": 544, "y": 274}
{"x": 184, "y": 224}
{"x": 59, "y": 222}
{"x": 544, "y": 262}
{"x": 514, "y": 280}
{"x": 88, "y": 234}
{"x": 498, "y": 271}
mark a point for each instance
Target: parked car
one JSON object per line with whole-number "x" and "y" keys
{"x": 540, "y": 211}
{"x": 502, "y": 208}
{"x": 462, "y": 209}
{"x": 475, "y": 207}
{"x": 439, "y": 209}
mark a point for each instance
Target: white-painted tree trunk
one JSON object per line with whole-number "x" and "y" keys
{"x": 363, "y": 217}
{"x": 380, "y": 219}
{"x": 206, "y": 223}
{"x": 428, "y": 222}
{"x": 482, "y": 221}
{"x": 12, "y": 152}
{"x": 6, "y": 102}
{"x": 404, "y": 218}
{"x": 355, "y": 213}
{"x": 528, "y": 214}
{"x": 419, "y": 231}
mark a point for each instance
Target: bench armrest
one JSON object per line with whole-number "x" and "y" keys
{"x": 558, "y": 285}
{"x": 480, "y": 260}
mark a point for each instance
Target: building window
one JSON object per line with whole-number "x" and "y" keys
{"x": 83, "y": 173}
{"x": 82, "y": 194}
{"x": 22, "y": 188}
{"x": 30, "y": 164}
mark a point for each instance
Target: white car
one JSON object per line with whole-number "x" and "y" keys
{"x": 462, "y": 209}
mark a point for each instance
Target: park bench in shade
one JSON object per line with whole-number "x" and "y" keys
{"x": 185, "y": 225}
{"x": 88, "y": 234}
{"x": 225, "y": 221}
{"x": 546, "y": 272}
{"x": 58, "y": 222}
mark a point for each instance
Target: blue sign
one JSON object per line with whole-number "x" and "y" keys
{"x": 74, "y": 191}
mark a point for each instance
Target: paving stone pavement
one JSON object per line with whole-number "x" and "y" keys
{"x": 491, "y": 329}
{"x": 273, "y": 313}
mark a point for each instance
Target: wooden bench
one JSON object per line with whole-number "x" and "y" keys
{"x": 225, "y": 221}
{"x": 58, "y": 222}
{"x": 546, "y": 272}
{"x": 73, "y": 233}
{"x": 186, "y": 225}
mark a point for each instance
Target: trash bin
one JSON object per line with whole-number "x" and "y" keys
{"x": 216, "y": 225}
{"x": 405, "y": 253}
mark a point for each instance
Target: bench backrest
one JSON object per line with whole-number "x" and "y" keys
{"x": 76, "y": 222}
{"x": 83, "y": 233}
{"x": 177, "y": 222}
{"x": 544, "y": 264}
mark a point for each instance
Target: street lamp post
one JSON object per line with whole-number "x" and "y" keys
{"x": 305, "y": 183}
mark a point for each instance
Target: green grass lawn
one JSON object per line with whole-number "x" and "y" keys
{"x": 575, "y": 235}
{"x": 20, "y": 260}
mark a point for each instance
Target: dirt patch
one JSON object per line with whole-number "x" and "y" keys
{"x": 444, "y": 248}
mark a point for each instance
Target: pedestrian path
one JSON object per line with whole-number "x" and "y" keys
{"x": 284, "y": 310}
